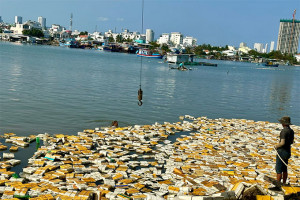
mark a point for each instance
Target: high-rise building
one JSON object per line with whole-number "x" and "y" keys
{"x": 189, "y": 41}
{"x": 0, "y": 19}
{"x": 243, "y": 44}
{"x": 265, "y": 50}
{"x": 288, "y": 36}
{"x": 42, "y": 21}
{"x": 258, "y": 47}
{"x": 18, "y": 19}
{"x": 272, "y": 46}
{"x": 149, "y": 35}
{"x": 164, "y": 38}
{"x": 176, "y": 38}
{"x": 243, "y": 48}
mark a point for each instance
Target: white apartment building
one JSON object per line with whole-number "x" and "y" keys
{"x": 33, "y": 24}
{"x": 42, "y": 21}
{"x": 97, "y": 36}
{"x": 297, "y": 56}
{"x": 265, "y": 50}
{"x": 272, "y": 46}
{"x": 176, "y": 38}
{"x": 232, "y": 48}
{"x": 243, "y": 44}
{"x": 229, "y": 52}
{"x": 126, "y": 34}
{"x": 56, "y": 30}
{"x": 19, "y": 28}
{"x": 18, "y": 20}
{"x": 243, "y": 48}
{"x": 109, "y": 33}
{"x": 259, "y": 47}
{"x": 189, "y": 42}
{"x": 164, "y": 39}
{"x": 149, "y": 35}
{"x": 75, "y": 33}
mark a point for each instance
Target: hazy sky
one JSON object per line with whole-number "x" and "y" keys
{"x": 216, "y": 22}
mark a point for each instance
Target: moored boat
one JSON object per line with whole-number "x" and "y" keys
{"x": 271, "y": 63}
{"x": 148, "y": 53}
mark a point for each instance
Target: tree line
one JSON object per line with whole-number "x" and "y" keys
{"x": 34, "y": 32}
{"x": 199, "y": 50}
{"x": 274, "y": 55}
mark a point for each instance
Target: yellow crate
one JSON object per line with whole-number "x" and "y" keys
{"x": 263, "y": 197}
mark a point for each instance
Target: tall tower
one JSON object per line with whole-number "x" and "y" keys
{"x": 272, "y": 46}
{"x": 176, "y": 38}
{"x": 18, "y": 19}
{"x": 266, "y": 48}
{"x": 149, "y": 35}
{"x": 71, "y": 22}
{"x": 0, "y": 19}
{"x": 259, "y": 47}
{"x": 42, "y": 21}
{"x": 288, "y": 36}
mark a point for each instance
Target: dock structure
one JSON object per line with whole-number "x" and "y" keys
{"x": 178, "y": 58}
{"x": 215, "y": 159}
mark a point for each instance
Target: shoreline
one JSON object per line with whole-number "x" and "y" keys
{"x": 214, "y": 157}
{"x": 95, "y": 47}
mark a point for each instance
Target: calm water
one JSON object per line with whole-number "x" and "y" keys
{"x": 61, "y": 90}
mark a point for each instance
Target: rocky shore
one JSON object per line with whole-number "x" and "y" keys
{"x": 210, "y": 159}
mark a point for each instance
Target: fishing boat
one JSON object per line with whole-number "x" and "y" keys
{"x": 148, "y": 53}
{"x": 112, "y": 48}
{"x": 271, "y": 63}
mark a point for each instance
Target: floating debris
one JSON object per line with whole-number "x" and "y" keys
{"x": 218, "y": 159}
{"x": 13, "y": 148}
{"x": 8, "y": 155}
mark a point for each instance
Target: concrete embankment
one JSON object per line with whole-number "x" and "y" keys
{"x": 218, "y": 159}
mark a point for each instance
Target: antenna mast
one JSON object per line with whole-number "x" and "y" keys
{"x": 71, "y": 22}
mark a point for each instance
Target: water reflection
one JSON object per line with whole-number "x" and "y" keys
{"x": 16, "y": 73}
{"x": 280, "y": 93}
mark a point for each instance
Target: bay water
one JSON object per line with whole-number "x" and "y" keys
{"x": 62, "y": 90}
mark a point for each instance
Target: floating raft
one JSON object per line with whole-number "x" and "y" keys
{"x": 201, "y": 64}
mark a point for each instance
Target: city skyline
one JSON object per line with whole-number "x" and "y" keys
{"x": 213, "y": 22}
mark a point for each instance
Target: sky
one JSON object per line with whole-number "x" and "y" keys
{"x": 215, "y": 22}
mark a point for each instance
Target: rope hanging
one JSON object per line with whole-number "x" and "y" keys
{"x": 140, "y": 91}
